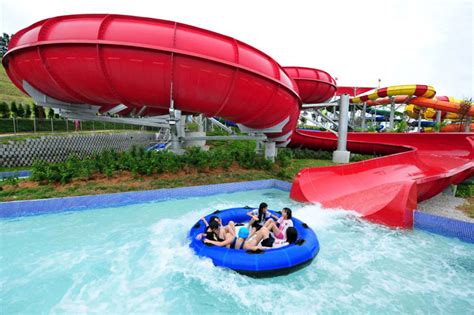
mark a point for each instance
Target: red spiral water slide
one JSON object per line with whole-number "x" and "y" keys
{"x": 107, "y": 60}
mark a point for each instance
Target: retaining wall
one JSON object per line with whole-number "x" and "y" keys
{"x": 58, "y": 148}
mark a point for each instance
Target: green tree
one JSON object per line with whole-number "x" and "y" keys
{"x": 35, "y": 110}
{"x": 4, "y": 110}
{"x": 20, "y": 111}
{"x": 4, "y": 41}
{"x": 27, "y": 111}
{"x": 14, "y": 109}
{"x": 401, "y": 126}
{"x": 50, "y": 113}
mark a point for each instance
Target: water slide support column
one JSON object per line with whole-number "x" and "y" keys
{"x": 392, "y": 115}
{"x": 419, "y": 121}
{"x": 200, "y": 123}
{"x": 176, "y": 123}
{"x": 438, "y": 120}
{"x": 341, "y": 155}
{"x": 353, "y": 112}
{"x": 468, "y": 124}
{"x": 270, "y": 150}
{"x": 364, "y": 111}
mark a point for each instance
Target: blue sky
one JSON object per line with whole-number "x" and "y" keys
{"x": 400, "y": 42}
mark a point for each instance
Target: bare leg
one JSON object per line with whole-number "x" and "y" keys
{"x": 230, "y": 228}
{"x": 274, "y": 228}
{"x": 228, "y": 239}
{"x": 261, "y": 234}
{"x": 252, "y": 232}
{"x": 269, "y": 222}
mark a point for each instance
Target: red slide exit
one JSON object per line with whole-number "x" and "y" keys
{"x": 417, "y": 166}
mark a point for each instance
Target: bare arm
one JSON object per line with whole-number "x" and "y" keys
{"x": 250, "y": 214}
{"x": 205, "y": 222}
{"x": 200, "y": 235}
{"x": 225, "y": 242}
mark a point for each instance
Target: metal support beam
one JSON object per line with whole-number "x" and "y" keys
{"x": 327, "y": 118}
{"x": 419, "y": 121}
{"x": 200, "y": 123}
{"x": 116, "y": 109}
{"x": 468, "y": 124}
{"x": 353, "y": 112}
{"x": 121, "y": 120}
{"x": 392, "y": 115}
{"x": 438, "y": 120}
{"x": 176, "y": 129}
{"x": 341, "y": 155}
{"x": 230, "y": 138}
{"x": 319, "y": 105}
{"x": 364, "y": 112}
{"x": 45, "y": 100}
{"x": 217, "y": 123}
{"x": 322, "y": 126}
{"x": 274, "y": 129}
{"x": 270, "y": 150}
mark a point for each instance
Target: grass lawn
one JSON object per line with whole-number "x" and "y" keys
{"x": 9, "y": 92}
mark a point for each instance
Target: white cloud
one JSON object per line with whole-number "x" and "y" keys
{"x": 401, "y": 42}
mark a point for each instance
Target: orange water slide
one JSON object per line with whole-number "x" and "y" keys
{"x": 441, "y": 105}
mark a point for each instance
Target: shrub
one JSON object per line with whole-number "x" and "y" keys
{"x": 284, "y": 157}
{"x": 11, "y": 180}
{"x": 197, "y": 158}
{"x": 39, "y": 172}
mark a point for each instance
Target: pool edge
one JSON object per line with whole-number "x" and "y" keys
{"x": 462, "y": 230}
{"x": 21, "y": 208}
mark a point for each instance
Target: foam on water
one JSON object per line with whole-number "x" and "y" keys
{"x": 137, "y": 259}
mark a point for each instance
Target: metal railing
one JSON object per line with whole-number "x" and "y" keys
{"x": 52, "y": 125}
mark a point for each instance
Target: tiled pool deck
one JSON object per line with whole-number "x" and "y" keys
{"x": 422, "y": 221}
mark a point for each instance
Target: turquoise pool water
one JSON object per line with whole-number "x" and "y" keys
{"x": 136, "y": 259}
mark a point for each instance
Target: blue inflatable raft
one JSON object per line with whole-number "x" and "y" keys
{"x": 267, "y": 263}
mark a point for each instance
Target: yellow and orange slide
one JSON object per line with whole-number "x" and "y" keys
{"x": 416, "y": 96}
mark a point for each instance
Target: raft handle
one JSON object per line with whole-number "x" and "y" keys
{"x": 305, "y": 225}
{"x": 217, "y": 211}
{"x": 300, "y": 242}
{"x": 197, "y": 225}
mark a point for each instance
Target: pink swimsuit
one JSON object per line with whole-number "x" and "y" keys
{"x": 282, "y": 227}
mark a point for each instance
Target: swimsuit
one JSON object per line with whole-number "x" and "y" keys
{"x": 234, "y": 241}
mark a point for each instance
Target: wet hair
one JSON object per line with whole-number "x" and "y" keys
{"x": 288, "y": 213}
{"x": 213, "y": 225}
{"x": 214, "y": 218}
{"x": 291, "y": 235}
{"x": 261, "y": 215}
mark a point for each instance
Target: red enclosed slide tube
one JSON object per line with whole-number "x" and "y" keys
{"x": 106, "y": 60}
{"x": 314, "y": 85}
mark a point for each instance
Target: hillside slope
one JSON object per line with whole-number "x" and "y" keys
{"x": 9, "y": 92}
